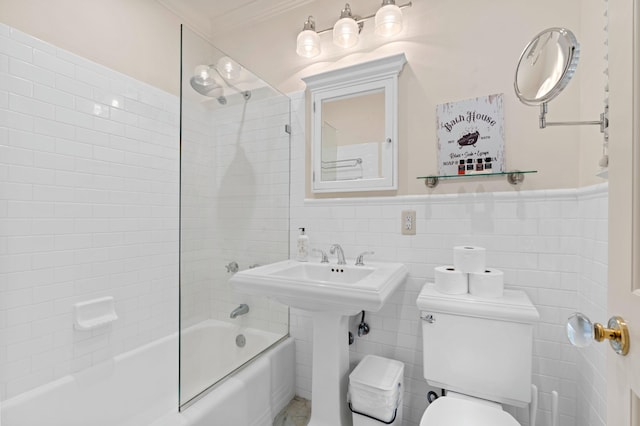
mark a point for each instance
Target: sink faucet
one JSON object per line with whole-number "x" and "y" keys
{"x": 337, "y": 248}
{"x": 240, "y": 310}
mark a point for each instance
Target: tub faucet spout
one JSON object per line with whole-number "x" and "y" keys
{"x": 240, "y": 310}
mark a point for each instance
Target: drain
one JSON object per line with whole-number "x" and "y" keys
{"x": 241, "y": 340}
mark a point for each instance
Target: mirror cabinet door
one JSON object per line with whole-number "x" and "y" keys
{"x": 354, "y": 127}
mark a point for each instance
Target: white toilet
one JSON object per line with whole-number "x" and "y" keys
{"x": 479, "y": 350}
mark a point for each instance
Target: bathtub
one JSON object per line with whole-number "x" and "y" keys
{"x": 140, "y": 388}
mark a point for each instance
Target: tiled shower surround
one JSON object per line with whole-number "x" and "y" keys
{"x": 89, "y": 197}
{"x": 235, "y": 206}
{"x": 89, "y": 207}
{"x": 89, "y": 167}
{"x": 552, "y": 244}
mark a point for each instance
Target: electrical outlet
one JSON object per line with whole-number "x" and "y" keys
{"x": 408, "y": 225}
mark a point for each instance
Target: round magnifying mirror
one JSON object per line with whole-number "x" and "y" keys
{"x": 546, "y": 66}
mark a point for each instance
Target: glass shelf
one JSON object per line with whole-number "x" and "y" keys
{"x": 514, "y": 177}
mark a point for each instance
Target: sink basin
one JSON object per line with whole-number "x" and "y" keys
{"x": 313, "y": 286}
{"x": 323, "y": 273}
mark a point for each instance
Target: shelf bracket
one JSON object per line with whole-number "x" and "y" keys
{"x": 431, "y": 181}
{"x": 515, "y": 177}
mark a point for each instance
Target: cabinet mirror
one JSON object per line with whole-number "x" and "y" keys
{"x": 354, "y": 144}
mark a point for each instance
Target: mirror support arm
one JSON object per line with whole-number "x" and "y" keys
{"x": 603, "y": 122}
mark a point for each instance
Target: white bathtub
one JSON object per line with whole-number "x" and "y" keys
{"x": 140, "y": 388}
{"x": 203, "y": 360}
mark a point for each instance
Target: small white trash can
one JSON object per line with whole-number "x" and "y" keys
{"x": 375, "y": 391}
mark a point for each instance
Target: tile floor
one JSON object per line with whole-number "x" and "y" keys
{"x": 297, "y": 413}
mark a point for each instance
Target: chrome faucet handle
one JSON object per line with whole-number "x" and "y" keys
{"x": 338, "y": 248}
{"x": 323, "y": 254}
{"x": 360, "y": 258}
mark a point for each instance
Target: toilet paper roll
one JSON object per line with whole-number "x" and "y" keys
{"x": 469, "y": 259}
{"x": 451, "y": 281}
{"x": 488, "y": 283}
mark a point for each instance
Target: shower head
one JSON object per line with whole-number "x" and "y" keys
{"x": 204, "y": 83}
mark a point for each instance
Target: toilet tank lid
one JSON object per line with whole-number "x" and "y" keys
{"x": 514, "y": 305}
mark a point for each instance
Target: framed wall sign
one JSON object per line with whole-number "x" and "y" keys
{"x": 471, "y": 136}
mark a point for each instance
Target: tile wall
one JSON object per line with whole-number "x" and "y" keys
{"x": 89, "y": 201}
{"x": 538, "y": 238}
{"x": 89, "y": 168}
{"x": 591, "y": 406}
{"x": 235, "y": 189}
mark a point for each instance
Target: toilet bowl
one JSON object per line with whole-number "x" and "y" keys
{"x": 457, "y": 410}
{"x": 480, "y": 351}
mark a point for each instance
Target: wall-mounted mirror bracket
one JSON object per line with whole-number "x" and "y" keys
{"x": 603, "y": 122}
{"x": 545, "y": 68}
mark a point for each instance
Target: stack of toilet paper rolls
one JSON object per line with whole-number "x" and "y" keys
{"x": 469, "y": 274}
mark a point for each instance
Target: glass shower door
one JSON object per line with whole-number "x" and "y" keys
{"x": 234, "y": 212}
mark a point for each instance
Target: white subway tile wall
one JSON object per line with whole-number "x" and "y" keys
{"x": 546, "y": 242}
{"x": 235, "y": 205}
{"x": 251, "y": 201}
{"x": 592, "y": 301}
{"x": 89, "y": 184}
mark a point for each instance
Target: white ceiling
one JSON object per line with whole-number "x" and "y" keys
{"x": 211, "y": 17}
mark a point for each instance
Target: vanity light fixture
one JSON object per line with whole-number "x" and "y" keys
{"x": 228, "y": 68}
{"x": 346, "y": 31}
{"x": 204, "y": 82}
{"x": 308, "y": 43}
{"x": 388, "y": 19}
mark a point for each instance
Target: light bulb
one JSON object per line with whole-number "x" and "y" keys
{"x": 202, "y": 73}
{"x": 204, "y": 82}
{"x": 228, "y": 68}
{"x": 308, "y": 44}
{"x": 345, "y": 32}
{"x": 388, "y": 20}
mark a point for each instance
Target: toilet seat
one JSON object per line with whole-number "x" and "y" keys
{"x": 449, "y": 411}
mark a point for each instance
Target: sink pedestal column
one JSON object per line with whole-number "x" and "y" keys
{"x": 329, "y": 378}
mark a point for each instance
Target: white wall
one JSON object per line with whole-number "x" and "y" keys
{"x": 538, "y": 238}
{"x": 455, "y": 51}
{"x": 139, "y": 38}
{"x": 89, "y": 206}
{"x": 451, "y": 55}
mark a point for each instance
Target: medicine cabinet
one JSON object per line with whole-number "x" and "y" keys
{"x": 354, "y": 126}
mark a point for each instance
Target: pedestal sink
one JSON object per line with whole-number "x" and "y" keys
{"x": 331, "y": 293}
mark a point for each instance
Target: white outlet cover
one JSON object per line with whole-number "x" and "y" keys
{"x": 408, "y": 222}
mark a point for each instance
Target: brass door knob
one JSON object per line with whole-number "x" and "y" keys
{"x": 581, "y": 332}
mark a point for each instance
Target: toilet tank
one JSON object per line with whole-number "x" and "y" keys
{"x": 478, "y": 346}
